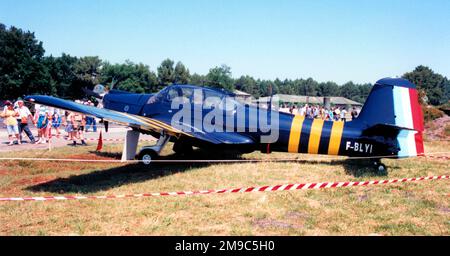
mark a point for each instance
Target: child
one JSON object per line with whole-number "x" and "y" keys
{"x": 57, "y": 119}
{"x": 41, "y": 123}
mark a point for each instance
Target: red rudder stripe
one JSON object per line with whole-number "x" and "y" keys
{"x": 416, "y": 110}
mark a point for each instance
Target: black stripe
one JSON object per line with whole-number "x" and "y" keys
{"x": 325, "y": 137}
{"x": 304, "y": 136}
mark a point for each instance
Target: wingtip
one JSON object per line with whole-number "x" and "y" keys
{"x": 29, "y": 98}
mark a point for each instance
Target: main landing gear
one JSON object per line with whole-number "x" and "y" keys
{"x": 150, "y": 153}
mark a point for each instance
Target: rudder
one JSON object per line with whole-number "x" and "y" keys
{"x": 395, "y": 102}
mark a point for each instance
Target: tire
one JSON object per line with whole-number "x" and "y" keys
{"x": 380, "y": 168}
{"x": 146, "y": 156}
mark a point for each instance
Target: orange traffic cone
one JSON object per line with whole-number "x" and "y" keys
{"x": 100, "y": 142}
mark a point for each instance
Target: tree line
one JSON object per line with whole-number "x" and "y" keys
{"x": 25, "y": 70}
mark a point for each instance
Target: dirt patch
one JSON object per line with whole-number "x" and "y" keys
{"x": 362, "y": 198}
{"x": 270, "y": 223}
{"x": 296, "y": 215}
{"x": 444, "y": 209}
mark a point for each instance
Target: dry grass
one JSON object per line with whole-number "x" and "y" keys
{"x": 420, "y": 208}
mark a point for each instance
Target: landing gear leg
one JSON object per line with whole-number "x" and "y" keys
{"x": 149, "y": 153}
{"x": 130, "y": 145}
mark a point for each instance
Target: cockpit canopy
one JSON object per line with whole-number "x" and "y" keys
{"x": 208, "y": 97}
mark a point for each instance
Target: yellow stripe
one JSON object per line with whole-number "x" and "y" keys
{"x": 152, "y": 126}
{"x": 335, "y": 137}
{"x": 159, "y": 122}
{"x": 294, "y": 136}
{"x": 146, "y": 120}
{"x": 154, "y": 121}
{"x": 314, "y": 136}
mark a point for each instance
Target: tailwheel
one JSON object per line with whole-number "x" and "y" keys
{"x": 380, "y": 167}
{"x": 146, "y": 156}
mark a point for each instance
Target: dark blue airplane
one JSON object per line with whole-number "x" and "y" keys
{"x": 390, "y": 123}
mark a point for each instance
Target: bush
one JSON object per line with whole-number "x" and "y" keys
{"x": 431, "y": 113}
{"x": 445, "y": 108}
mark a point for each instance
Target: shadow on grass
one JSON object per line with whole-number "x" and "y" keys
{"x": 353, "y": 167}
{"x": 103, "y": 180}
{"x": 113, "y": 155}
{"x": 363, "y": 168}
{"x": 119, "y": 176}
{"x": 114, "y": 177}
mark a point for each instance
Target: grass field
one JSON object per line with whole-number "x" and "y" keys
{"x": 415, "y": 208}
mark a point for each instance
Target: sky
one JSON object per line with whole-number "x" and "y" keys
{"x": 347, "y": 40}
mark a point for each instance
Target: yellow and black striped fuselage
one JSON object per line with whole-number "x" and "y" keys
{"x": 316, "y": 136}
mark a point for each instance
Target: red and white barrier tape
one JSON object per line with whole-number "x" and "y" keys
{"x": 105, "y": 139}
{"x": 439, "y": 157}
{"x": 285, "y": 187}
{"x": 118, "y": 140}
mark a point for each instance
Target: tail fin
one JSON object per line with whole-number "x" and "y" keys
{"x": 395, "y": 102}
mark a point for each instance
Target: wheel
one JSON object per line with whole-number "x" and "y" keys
{"x": 381, "y": 168}
{"x": 146, "y": 156}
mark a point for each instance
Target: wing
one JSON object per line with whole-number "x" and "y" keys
{"x": 141, "y": 122}
{"x": 224, "y": 138}
{"x": 134, "y": 121}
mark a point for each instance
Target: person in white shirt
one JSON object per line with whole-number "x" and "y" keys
{"x": 24, "y": 114}
{"x": 284, "y": 108}
{"x": 337, "y": 114}
{"x": 295, "y": 110}
{"x": 303, "y": 110}
{"x": 343, "y": 113}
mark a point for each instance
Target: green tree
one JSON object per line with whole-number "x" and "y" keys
{"x": 62, "y": 72}
{"x": 363, "y": 93}
{"x": 181, "y": 75}
{"x": 88, "y": 69}
{"x": 446, "y": 85}
{"x": 328, "y": 89}
{"x": 166, "y": 73}
{"x": 130, "y": 77}
{"x": 197, "y": 79}
{"x": 21, "y": 69}
{"x": 435, "y": 86}
{"x": 306, "y": 87}
{"x": 247, "y": 84}
{"x": 220, "y": 77}
{"x": 263, "y": 87}
{"x": 349, "y": 90}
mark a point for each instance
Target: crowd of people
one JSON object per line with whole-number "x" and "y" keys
{"x": 319, "y": 112}
{"x": 17, "y": 118}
